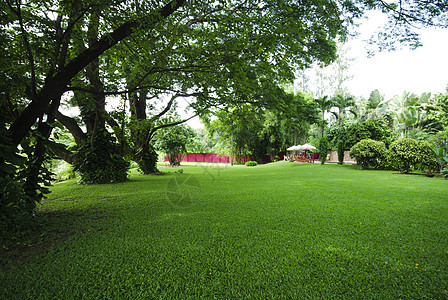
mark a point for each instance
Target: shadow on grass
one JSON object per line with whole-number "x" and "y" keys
{"x": 49, "y": 227}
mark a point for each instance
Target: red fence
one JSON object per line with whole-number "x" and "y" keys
{"x": 206, "y": 157}
{"x": 220, "y": 158}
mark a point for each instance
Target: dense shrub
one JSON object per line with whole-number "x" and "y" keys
{"x": 323, "y": 149}
{"x": 440, "y": 148}
{"x": 23, "y": 184}
{"x": 147, "y": 161}
{"x": 444, "y": 173}
{"x": 101, "y": 161}
{"x": 251, "y": 163}
{"x": 369, "y": 153}
{"x": 428, "y": 159}
{"x": 408, "y": 154}
{"x": 351, "y": 134}
{"x": 12, "y": 195}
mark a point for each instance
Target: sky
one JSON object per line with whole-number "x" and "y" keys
{"x": 422, "y": 70}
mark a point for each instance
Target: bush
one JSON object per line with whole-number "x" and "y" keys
{"x": 428, "y": 159}
{"x": 251, "y": 163}
{"x": 440, "y": 148}
{"x": 408, "y": 154}
{"x": 147, "y": 161}
{"x": 369, "y": 153}
{"x": 444, "y": 173}
{"x": 323, "y": 149}
{"x": 101, "y": 161}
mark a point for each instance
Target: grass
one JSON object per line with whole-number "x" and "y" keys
{"x": 281, "y": 230}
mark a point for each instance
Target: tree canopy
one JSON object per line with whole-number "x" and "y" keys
{"x": 77, "y": 54}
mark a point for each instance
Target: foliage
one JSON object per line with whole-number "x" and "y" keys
{"x": 428, "y": 159}
{"x": 260, "y": 131}
{"x": 440, "y": 148}
{"x": 407, "y": 154}
{"x": 172, "y": 141}
{"x": 444, "y": 173}
{"x": 12, "y": 195}
{"x": 251, "y": 163}
{"x": 409, "y": 112}
{"x": 369, "y": 153}
{"x": 101, "y": 161}
{"x": 441, "y": 108}
{"x": 63, "y": 171}
{"x": 323, "y": 104}
{"x": 147, "y": 163}
{"x": 341, "y": 148}
{"x": 199, "y": 142}
{"x": 24, "y": 182}
{"x": 352, "y": 134}
{"x": 323, "y": 149}
{"x": 345, "y": 104}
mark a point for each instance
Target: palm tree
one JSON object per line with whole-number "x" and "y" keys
{"x": 324, "y": 104}
{"x": 345, "y": 104}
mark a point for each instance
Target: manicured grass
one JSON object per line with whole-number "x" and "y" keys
{"x": 281, "y": 230}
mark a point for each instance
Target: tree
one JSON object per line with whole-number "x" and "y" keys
{"x": 261, "y": 131}
{"x": 237, "y": 43}
{"x": 341, "y": 152}
{"x": 440, "y": 110}
{"x": 323, "y": 149}
{"x": 323, "y": 104}
{"x": 351, "y": 134}
{"x": 173, "y": 141}
{"x": 409, "y": 112}
{"x": 345, "y": 104}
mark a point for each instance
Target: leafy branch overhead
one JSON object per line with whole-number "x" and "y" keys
{"x": 78, "y": 55}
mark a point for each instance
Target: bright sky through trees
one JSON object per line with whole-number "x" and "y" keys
{"x": 422, "y": 70}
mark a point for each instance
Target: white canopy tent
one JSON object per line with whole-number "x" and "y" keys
{"x": 304, "y": 157}
{"x": 294, "y": 148}
{"x": 307, "y": 147}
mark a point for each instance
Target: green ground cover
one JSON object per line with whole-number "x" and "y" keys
{"x": 282, "y": 230}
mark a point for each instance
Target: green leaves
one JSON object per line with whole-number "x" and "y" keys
{"x": 323, "y": 149}
{"x": 369, "y": 153}
{"x": 407, "y": 154}
{"x": 172, "y": 141}
{"x": 101, "y": 161}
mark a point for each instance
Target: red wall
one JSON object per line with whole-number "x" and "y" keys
{"x": 219, "y": 158}
{"x": 206, "y": 157}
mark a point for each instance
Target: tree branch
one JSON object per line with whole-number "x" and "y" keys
{"x": 72, "y": 126}
{"x": 26, "y": 43}
{"x": 61, "y": 151}
{"x": 56, "y": 85}
{"x": 151, "y": 133}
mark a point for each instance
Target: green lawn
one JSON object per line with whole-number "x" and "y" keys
{"x": 281, "y": 230}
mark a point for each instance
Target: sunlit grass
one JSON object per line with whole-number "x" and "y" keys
{"x": 278, "y": 230}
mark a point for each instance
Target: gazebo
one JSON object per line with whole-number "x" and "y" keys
{"x": 303, "y": 157}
